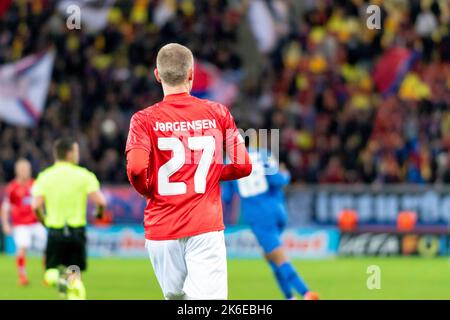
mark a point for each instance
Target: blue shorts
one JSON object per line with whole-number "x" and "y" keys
{"x": 268, "y": 232}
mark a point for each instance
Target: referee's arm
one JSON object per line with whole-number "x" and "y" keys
{"x": 95, "y": 194}
{"x": 37, "y": 205}
{"x": 38, "y": 200}
{"x": 98, "y": 198}
{"x": 4, "y": 213}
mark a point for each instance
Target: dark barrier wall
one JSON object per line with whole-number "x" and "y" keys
{"x": 375, "y": 205}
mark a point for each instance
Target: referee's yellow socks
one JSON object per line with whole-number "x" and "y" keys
{"x": 75, "y": 289}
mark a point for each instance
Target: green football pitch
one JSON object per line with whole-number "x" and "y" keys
{"x": 339, "y": 278}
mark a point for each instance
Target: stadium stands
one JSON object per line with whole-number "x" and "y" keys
{"x": 355, "y": 105}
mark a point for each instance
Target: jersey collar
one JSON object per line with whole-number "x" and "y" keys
{"x": 63, "y": 163}
{"x": 176, "y": 96}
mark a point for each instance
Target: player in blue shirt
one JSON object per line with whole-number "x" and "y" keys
{"x": 263, "y": 207}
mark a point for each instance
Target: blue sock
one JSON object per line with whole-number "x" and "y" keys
{"x": 282, "y": 283}
{"x": 289, "y": 274}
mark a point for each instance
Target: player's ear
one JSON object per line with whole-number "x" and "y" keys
{"x": 191, "y": 74}
{"x": 156, "y": 73}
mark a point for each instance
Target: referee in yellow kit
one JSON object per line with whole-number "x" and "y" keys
{"x": 62, "y": 192}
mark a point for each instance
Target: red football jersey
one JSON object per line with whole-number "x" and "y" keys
{"x": 18, "y": 198}
{"x": 185, "y": 137}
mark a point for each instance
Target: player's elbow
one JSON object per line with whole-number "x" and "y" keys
{"x": 246, "y": 170}
{"x": 243, "y": 170}
{"x": 247, "y": 167}
{"x": 137, "y": 165}
{"x": 138, "y": 179}
{"x": 133, "y": 173}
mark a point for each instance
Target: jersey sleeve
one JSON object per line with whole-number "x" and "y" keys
{"x": 232, "y": 137}
{"x": 240, "y": 163}
{"x": 137, "y": 170}
{"x": 92, "y": 183}
{"x": 138, "y": 135}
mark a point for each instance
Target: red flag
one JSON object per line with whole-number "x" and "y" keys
{"x": 390, "y": 66}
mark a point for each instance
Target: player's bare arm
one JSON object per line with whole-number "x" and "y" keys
{"x": 4, "y": 212}
{"x": 240, "y": 164}
{"x": 37, "y": 205}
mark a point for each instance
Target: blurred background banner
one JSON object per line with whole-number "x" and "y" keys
{"x": 125, "y": 240}
{"x": 128, "y": 241}
{"x": 24, "y": 87}
{"x": 299, "y": 242}
{"x": 315, "y": 205}
{"x": 117, "y": 241}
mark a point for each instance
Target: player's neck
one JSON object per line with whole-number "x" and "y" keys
{"x": 22, "y": 180}
{"x": 184, "y": 88}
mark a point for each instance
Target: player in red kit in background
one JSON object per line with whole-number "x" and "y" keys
{"x": 26, "y": 229}
{"x": 175, "y": 159}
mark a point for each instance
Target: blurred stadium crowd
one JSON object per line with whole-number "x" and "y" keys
{"x": 347, "y": 111}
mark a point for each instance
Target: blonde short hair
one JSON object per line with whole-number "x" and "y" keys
{"x": 173, "y": 63}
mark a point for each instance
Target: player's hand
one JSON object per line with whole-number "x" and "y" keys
{"x": 99, "y": 212}
{"x": 7, "y": 229}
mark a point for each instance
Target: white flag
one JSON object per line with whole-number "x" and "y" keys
{"x": 24, "y": 87}
{"x": 262, "y": 25}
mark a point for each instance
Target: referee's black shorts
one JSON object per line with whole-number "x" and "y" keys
{"x": 66, "y": 247}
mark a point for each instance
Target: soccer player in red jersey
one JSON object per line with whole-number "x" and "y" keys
{"x": 175, "y": 159}
{"x": 25, "y": 228}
